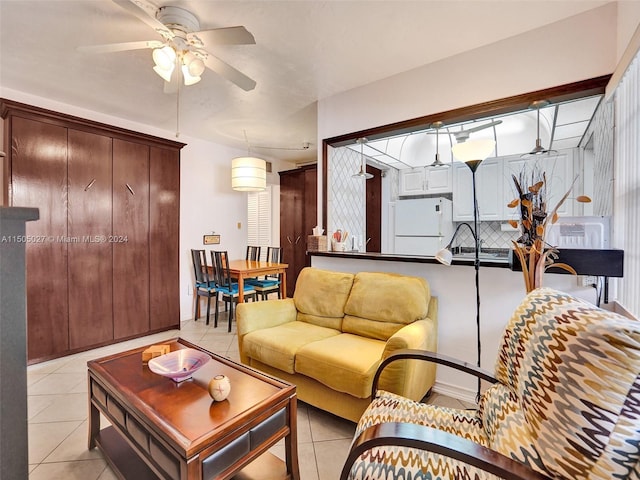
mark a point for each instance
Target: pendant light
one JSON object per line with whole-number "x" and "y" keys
{"x": 437, "y": 162}
{"x": 539, "y": 149}
{"x": 363, "y": 165}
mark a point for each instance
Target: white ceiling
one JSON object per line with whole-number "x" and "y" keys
{"x": 305, "y": 50}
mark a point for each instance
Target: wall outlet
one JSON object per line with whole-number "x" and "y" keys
{"x": 189, "y": 290}
{"x": 587, "y": 280}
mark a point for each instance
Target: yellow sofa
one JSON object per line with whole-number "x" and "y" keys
{"x": 331, "y": 336}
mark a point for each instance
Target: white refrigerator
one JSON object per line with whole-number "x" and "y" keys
{"x": 423, "y": 225}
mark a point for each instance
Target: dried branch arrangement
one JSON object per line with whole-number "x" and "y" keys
{"x": 535, "y": 255}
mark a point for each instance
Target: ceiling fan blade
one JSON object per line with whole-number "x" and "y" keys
{"x": 120, "y": 47}
{"x": 146, "y": 11}
{"x": 482, "y": 127}
{"x": 225, "y": 36}
{"x": 227, "y": 71}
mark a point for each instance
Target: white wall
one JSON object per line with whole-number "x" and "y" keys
{"x": 577, "y": 48}
{"x": 207, "y": 202}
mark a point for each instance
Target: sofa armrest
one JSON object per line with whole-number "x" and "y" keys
{"x": 260, "y": 315}
{"x": 266, "y": 314}
{"x": 411, "y": 379}
{"x": 442, "y": 443}
{"x": 406, "y": 354}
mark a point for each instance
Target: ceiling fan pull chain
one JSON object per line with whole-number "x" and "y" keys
{"x": 178, "y": 111}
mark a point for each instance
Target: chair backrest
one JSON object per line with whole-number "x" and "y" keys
{"x": 274, "y": 254}
{"x": 200, "y": 267}
{"x": 221, "y": 274}
{"x": 574, "y": 369}
{"x": 253, "y": 253}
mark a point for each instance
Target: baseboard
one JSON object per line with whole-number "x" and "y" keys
{"x": 464, "y": 394}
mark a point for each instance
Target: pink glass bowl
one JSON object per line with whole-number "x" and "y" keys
{"x": 180, "y": 364}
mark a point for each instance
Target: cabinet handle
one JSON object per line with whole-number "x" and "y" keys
{"x": 297, "y": 239}
{"x": 90, "y": 185}
{"x": 130, "y": 189}
{"x": 289, "y": 240}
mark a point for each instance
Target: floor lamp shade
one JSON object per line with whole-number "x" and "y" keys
{"x": 473, "y": 150}
{"x": 248, "y": 174}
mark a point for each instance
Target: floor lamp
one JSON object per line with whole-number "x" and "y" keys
{"x": 472, "y": 152}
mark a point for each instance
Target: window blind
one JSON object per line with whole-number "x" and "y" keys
{"x": 259, "y": 219}
{"x": 627, "y": 185}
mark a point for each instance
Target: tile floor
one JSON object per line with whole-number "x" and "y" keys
{"x": 57, "y": 402}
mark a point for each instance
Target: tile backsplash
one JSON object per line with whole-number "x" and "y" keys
{"x": 491, "y": 235}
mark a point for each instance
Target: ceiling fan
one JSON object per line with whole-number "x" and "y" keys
{"x": 183, "y": 45}
{"x": 463, "y": 135}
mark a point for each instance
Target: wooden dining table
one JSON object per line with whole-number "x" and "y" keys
{"x": 242, "y": 269}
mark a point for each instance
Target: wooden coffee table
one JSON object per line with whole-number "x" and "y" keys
{"x": 162, "y": 429}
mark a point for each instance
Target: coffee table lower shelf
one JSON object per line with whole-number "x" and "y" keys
{"x": 128, "y": 465}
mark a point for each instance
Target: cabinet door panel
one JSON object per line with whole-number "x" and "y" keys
{"x": 39, "y": 179}
{"x": 131, "y": 238}
{"x": 438, "y": 179}
{"x": 291, "y": 215}
{"x": 89, "y": 223}
{"x": 412, "y": 181}
{"x": 462, "y": 193}
{"x": 164, "y": 238}
{"x": 489, "y": 185}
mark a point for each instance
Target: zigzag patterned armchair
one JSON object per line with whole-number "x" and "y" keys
{"x": 564, "y": 404}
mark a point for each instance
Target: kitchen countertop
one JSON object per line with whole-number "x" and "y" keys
{"x": 494, "y": 259}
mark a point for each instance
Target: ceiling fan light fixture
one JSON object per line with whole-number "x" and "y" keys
{"x": 164, "y": 73}
{"x": 189, "y": 79}
{"x": 194, "y": 65}
{"x": 164, "y": 57}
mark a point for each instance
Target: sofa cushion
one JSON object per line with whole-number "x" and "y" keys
{"x": 382, "y": 303}
{"x": 346, "y": 363}
{"x": 320, "y": 296}
{"x": 277, "y": 346}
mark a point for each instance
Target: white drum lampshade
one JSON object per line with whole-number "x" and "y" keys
{"x": 248, "y": 174}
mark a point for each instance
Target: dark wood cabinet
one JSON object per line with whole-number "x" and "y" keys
{"x": 130, "y": 240}
{"x": 103, "y": 259}
{"x": 90, "y": 265}
{"x": 298, "y": 216}
{"x": 164, "y": 236}
{"x": 38, "y": 156}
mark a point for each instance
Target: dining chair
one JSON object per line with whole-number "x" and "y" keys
{"x": 226, "y": 286}
{"x": 253, "y": 252}
{"x": 269, "y": 283}
{"x": 204, "y": 284}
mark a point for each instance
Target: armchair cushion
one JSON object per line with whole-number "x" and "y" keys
{"x": 576, "y": 372}
{"x": 381, "y": 463}
{"x": 277, "y": 346}
{"x": 346, "y": 363}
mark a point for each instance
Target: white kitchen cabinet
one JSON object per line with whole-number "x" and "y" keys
{"x": 425, "y": 180}
{"x": 489, "y": 186}
{"x": 559, "y": 173}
